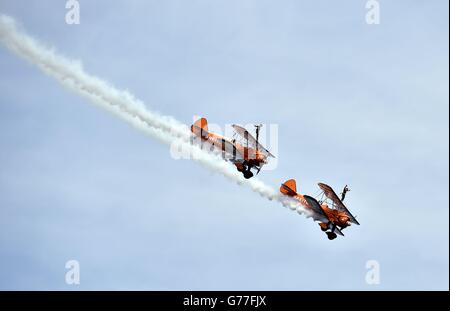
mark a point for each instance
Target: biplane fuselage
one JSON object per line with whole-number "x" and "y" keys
{"x": 251, "y": 155}
{"x": 336, "y": 217}
{"x": 242, "y": 156}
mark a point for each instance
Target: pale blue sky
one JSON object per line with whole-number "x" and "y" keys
{"x": 356, "y": 104}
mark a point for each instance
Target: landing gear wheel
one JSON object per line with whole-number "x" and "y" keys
{"x": 248, "y": 174}
{"x": 331, "y": 235}
{"x": 323, "y": 226}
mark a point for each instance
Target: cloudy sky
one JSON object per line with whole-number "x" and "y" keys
{"x": 358, "y": 104}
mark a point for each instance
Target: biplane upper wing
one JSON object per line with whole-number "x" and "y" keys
{"x": 251, "y": 140}
{"x": 329, "y": 193}
{"x": 318, "y": 213}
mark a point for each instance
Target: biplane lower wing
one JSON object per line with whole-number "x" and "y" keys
{"x": 329, "y": 193}
{"x": 317, "y": 211}
{"x": 320, "y": 215}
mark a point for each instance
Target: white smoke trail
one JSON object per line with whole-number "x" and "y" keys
{"x": 123, "y": 104}
{"x": 71, "y": 74}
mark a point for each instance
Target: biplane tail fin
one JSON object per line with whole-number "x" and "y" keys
{"x": 200, "y": 128}
{"x": 289, "y": 188}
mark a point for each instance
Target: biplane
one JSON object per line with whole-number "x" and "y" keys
{"x": 243, "y": 150}
{"x": 332, "y": 219}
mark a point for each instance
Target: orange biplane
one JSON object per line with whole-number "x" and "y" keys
{"x": 334, "y": 218}
{"x": 246, "y": 154}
